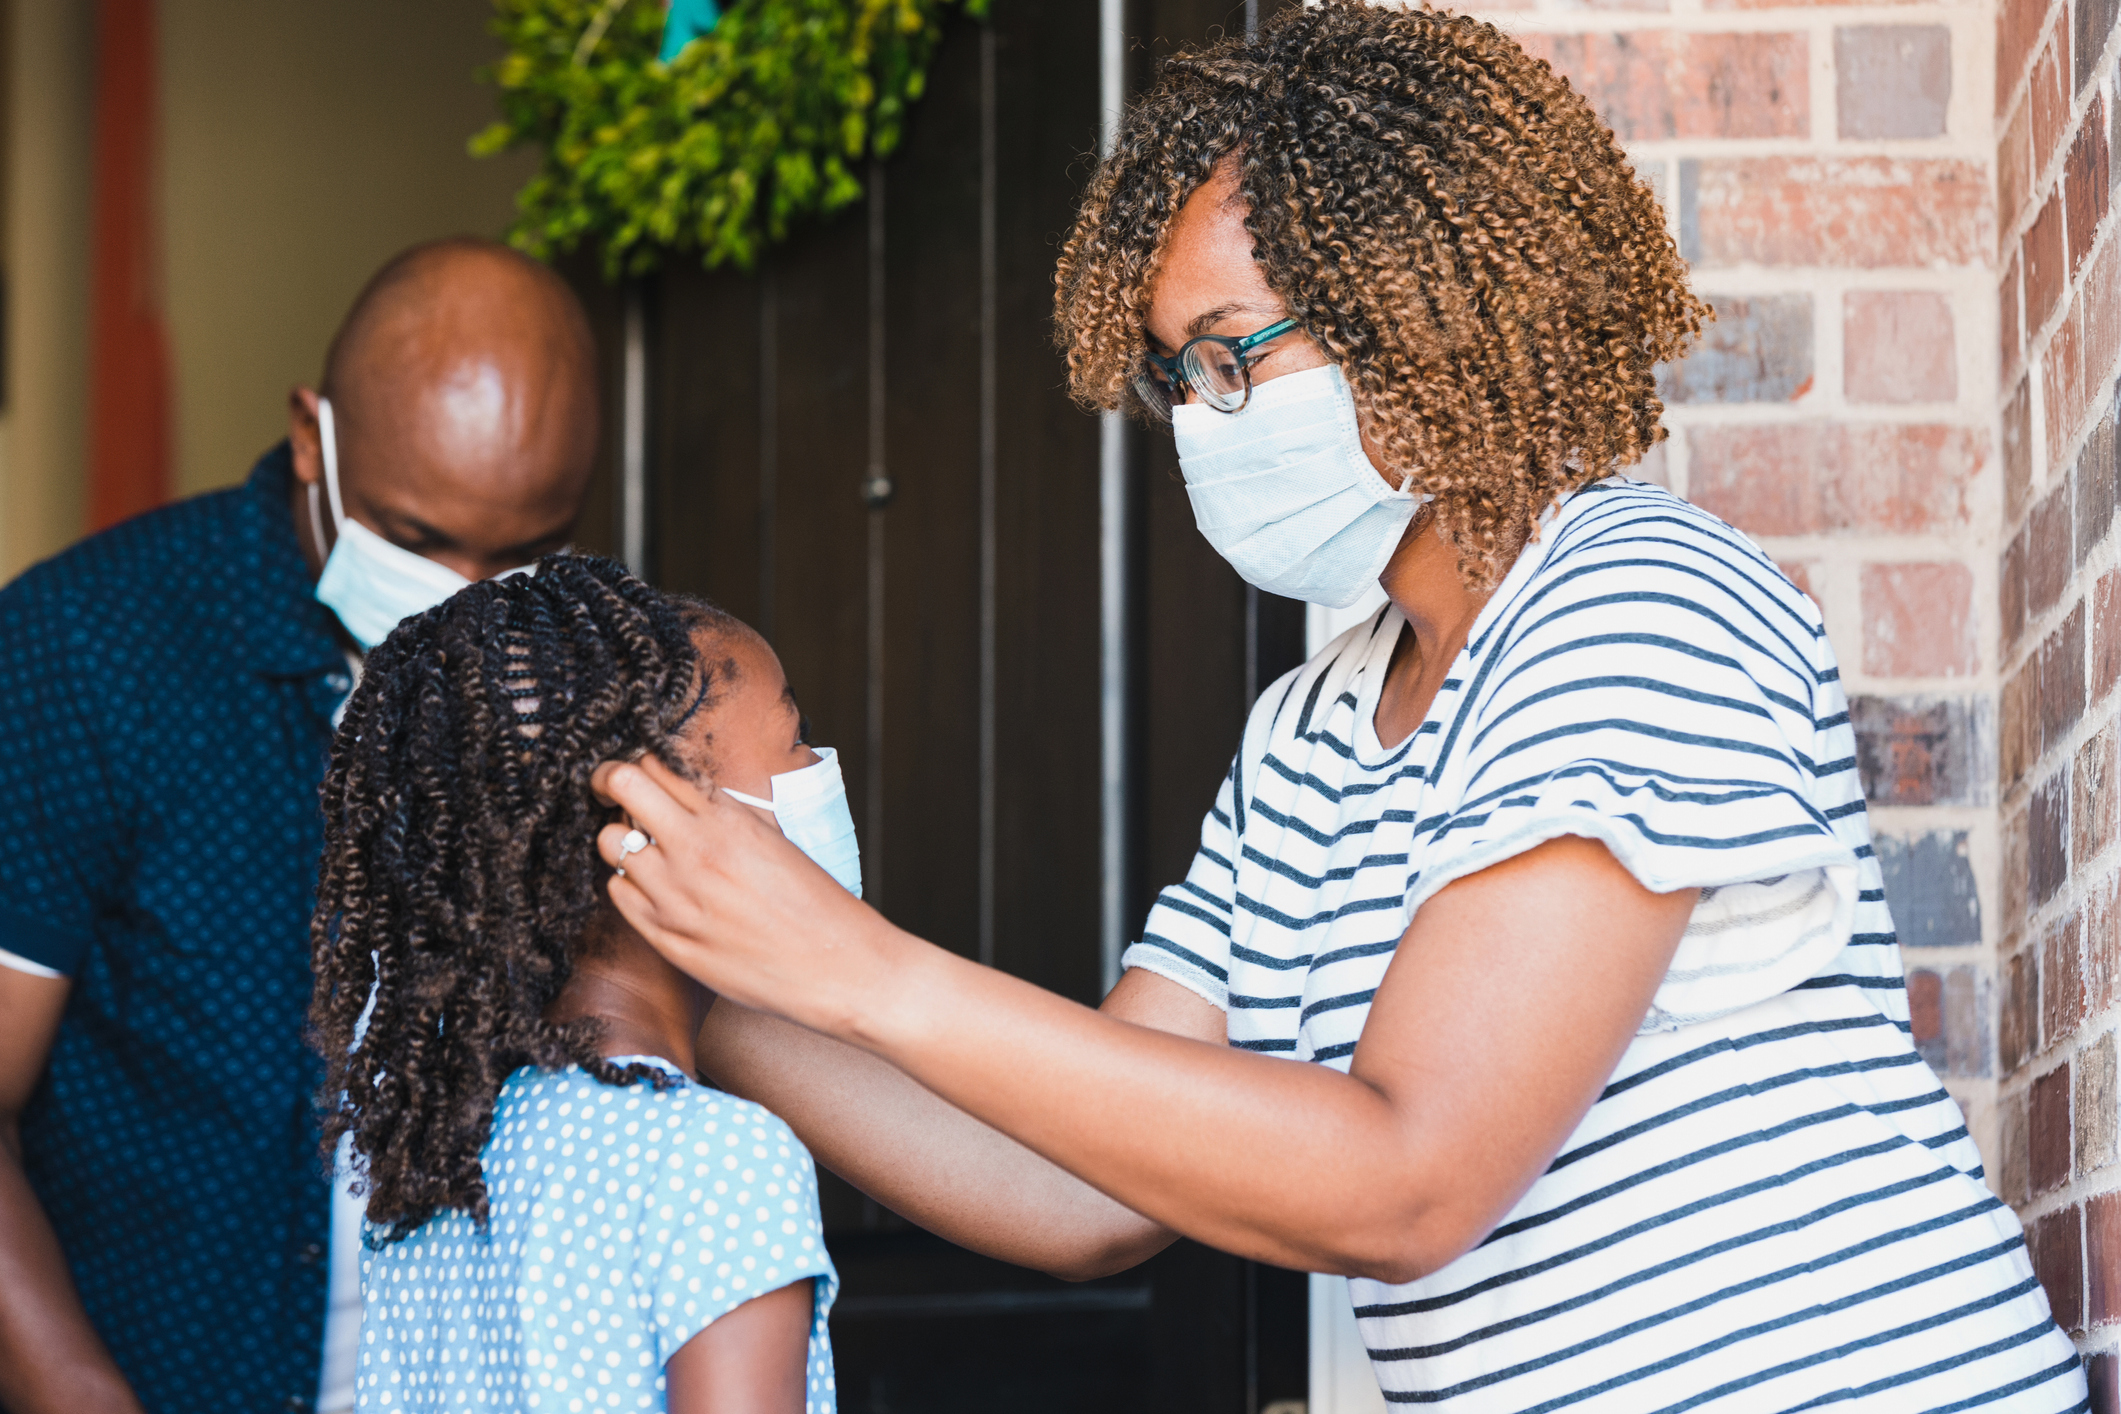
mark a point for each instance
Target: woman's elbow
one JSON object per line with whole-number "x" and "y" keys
{"x": 1108, "y": 1255}
{"x": 1418, "y": 1245}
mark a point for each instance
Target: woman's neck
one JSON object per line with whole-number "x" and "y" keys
{"x": 1423, "y": 583}
{"x": 647, "y": 1007}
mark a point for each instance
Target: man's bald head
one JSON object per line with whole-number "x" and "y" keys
{"x": 464, "y": 394}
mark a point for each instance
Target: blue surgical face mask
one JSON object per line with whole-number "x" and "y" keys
{"x": 811, "y": 806}
{"x": 1284, "y": 490}
{"x": 371, "y": 584}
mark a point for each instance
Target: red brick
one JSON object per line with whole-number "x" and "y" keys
{"x": 2010, "y": 1168}
{"x": 2017, "y": 1018}
{"x": 2102, "y": 947}
{"x": 2062, "y": 679}
{"x": 1860, "y": 212}
{"x": 2015, "y": 893}
{"x": 2009, "y": 338}
{"x": 2102, "y": 1252}
{"x": 2094, "y": 20}
{"x": 2084, "y": 183}
{"x": 2010, "y": 593}
{"x": 1898, "y": 347}
{"x": 1759, "y": 349}
{"x": 1812, "y": 477}
{"x": 2045, "y": 259}
{"x": 2017, "y": 450}
{"x": 2018, "y": 734}
{"x": 2014, "y": 168}
{"x": 2062, "y": 400}
{"x": 2049, "y": 100}
{"x": 2106, "y": 634}
{"x": 1966, "y": 1025}
{"x": 1660, "y": 84}
{"x": 2098, "y": 1124}
{"x": 2057, "y": 1243}
{"x": 2061, "y": 983}
{"x": 2094, "y": 480}
{"x": 2018, "y": 27}
{"x": 1925, "y": 1006}
{"x": 2093, "y": 797}
{"x": 2047, "y": 1130}
{"x": 2047, "y": 841}
{"x": 2048, "y": 551}
{"x": 2099, "y": 310}
{"x": 1799, "y": 573}
{"x": 1919, "y": 621}
{"x": 1916, "y": 750}
{"x": 1892, "y": 81}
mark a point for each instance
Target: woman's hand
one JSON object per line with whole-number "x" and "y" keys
{"x": 729, "y": 901}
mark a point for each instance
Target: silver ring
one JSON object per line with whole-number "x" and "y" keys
{"x": 634, "y": 842}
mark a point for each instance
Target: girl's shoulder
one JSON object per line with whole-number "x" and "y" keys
{"x": 572, "y": 1106}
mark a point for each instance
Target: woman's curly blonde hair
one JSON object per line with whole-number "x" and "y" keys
{"x": 1448, "y": 220}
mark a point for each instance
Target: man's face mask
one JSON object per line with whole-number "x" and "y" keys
{"x": 371, "y": 584}
{"x": 811, "y": 807}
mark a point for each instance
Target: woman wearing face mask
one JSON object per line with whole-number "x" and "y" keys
{"x": 1553, "y": 879}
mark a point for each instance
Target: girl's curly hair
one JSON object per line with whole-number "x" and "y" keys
{"x": 460, "y": 870}
{"x": 1448, "y": 220}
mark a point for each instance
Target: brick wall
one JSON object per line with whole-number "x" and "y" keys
{"x": 1899, "y": 211}
{"x": 2058, "y": 970}
{"x": 1829, "y": 172}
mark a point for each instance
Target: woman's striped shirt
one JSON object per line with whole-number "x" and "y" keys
{"x": 1773, "y": 1204}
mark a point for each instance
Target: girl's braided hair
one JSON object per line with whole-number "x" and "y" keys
{"x": 460, "y": 873}
{"x": 1446, "y": 218}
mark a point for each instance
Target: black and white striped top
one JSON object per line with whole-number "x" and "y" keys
{"x": 1773, "y": 1204}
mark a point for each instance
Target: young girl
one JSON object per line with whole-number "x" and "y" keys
{"x": 559, "y": 1216}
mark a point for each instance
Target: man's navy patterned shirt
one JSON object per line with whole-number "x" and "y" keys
{"x": 166, "y": 693}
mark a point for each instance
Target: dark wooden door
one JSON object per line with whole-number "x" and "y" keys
{"x": 866, "y": 450}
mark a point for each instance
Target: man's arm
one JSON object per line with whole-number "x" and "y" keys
{"x": 929, "y": 1161}
{"x": 51, "y": 1359}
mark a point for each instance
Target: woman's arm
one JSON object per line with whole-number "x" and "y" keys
{"x": 752, "y": 1360}
{"x": 1512, "y": 996}
{"x": 929, "y": 1161}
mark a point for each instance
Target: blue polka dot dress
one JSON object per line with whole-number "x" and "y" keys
{"x": 623, "y": 1221}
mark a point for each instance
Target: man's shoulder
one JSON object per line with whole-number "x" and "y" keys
{"x": 148, "y": 546}
{"x": 147, "y": 577}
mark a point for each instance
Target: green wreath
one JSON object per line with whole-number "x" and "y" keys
{"x": 760, "y": 122}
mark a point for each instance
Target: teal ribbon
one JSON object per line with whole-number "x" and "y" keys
{"x": 687, "y": 21}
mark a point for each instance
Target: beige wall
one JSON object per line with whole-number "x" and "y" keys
{"x": 42, "y": 429}
{"x": 303, "y": 143}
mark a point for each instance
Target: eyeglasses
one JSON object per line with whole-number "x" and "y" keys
{"x": 1215, "y": 367}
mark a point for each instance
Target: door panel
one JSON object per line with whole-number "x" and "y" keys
{"x": 944, "y": 637}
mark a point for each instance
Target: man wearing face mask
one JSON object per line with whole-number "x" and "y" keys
{"x": 168, "y": 1240}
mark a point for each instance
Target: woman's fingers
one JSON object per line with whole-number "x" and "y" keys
{"x": 657, "y": 797}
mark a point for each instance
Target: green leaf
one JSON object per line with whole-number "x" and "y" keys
{"x": 752, "y": 129}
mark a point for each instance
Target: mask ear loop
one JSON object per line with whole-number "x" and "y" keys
{"x": 328, "y": 439}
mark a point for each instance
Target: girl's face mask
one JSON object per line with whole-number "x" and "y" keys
{"x": 811, "y": 808}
